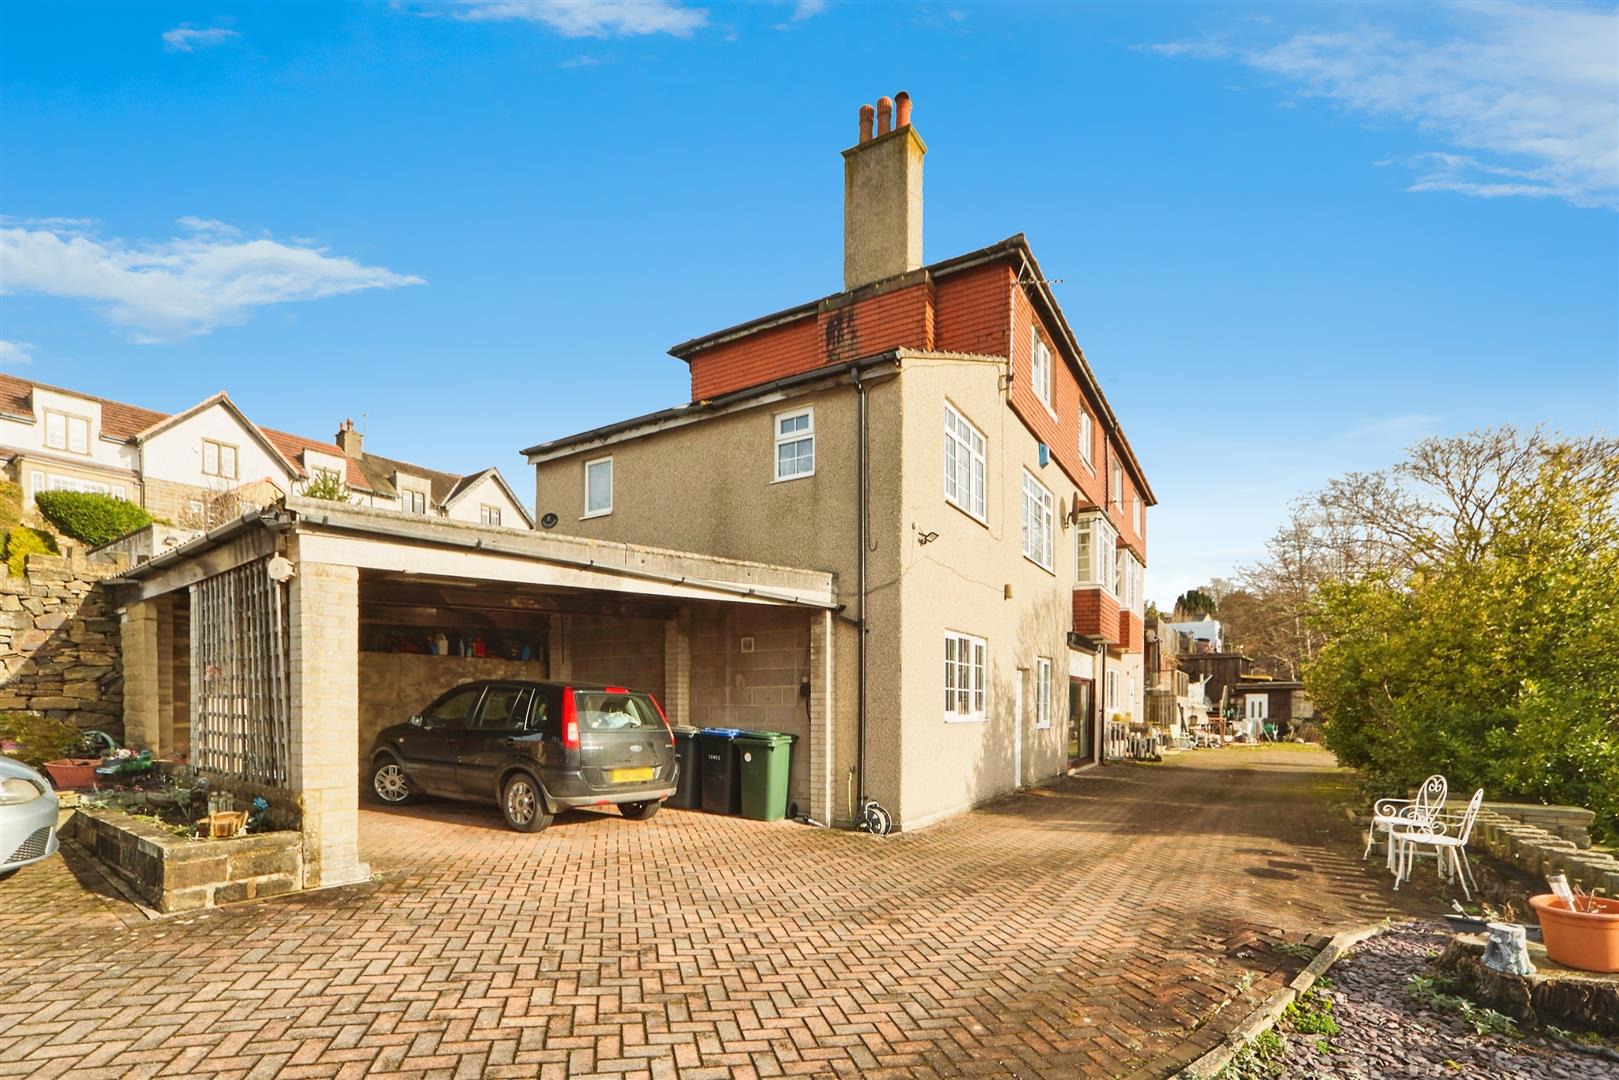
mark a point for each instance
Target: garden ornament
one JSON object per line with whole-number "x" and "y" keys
{"x": 1507, "y": 950}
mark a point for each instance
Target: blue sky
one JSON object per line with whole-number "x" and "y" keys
{"x": 1292, "y": 239}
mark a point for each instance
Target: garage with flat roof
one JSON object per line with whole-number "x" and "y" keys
{"x": 268, "y": 653}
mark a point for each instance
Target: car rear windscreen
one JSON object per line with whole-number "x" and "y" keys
{"x": 601, "y": 710}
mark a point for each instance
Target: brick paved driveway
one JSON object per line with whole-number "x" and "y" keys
{"x": 1114, "y": 924}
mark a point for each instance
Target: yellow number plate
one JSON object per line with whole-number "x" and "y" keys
{"x": 629, "y": 776}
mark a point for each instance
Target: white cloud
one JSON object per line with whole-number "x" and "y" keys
{"x": 802, "y": 11}
{"x": 15, "y": 352}
{"x": 184, "y": 38}
{"x": 1525, "y": 96}
{"x": 591, "y": 18}
{"x": 180, "y": 287}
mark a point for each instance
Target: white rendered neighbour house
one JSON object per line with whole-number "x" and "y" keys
{"x": 207, "y": 463}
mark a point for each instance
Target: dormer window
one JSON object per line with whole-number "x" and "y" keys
{"x": 64, "y": 431}
{"x": 413, "y": 502}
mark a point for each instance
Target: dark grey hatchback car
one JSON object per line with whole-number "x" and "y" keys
{"x": 534, "y": 748}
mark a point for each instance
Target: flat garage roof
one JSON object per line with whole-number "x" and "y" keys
{"x": 399, "y": 543}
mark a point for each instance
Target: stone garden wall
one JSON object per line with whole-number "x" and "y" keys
{"x": 59, "y": 642}
{"x": 1525, "y": 837}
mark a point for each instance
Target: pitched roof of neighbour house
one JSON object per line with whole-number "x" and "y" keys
{"x": 369, "y": 473}
{"x": 1013, "y": 249}
{"x": 467, "y": 483}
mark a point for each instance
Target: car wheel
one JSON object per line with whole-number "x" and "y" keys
{"x": 639, "y": 811}
{"x": 523, "y": 804}
{"x": 391, "y": 784}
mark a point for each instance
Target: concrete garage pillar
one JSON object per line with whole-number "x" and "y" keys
{"x": 677, "y": 670}
{"x": 822, "y": 738}
{"x": 325, "y": 638}
{"x": 143, "y": 723}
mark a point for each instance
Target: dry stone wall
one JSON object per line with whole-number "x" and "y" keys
{"x": 59, "y": 642}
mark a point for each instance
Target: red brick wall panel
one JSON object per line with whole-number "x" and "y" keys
{"x": 974, "y": 310}
{"x": 1096, "y": 614}
{"x": 1131, "y": 633}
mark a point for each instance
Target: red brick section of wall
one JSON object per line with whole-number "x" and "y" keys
{"x": 835, "y": 334}
{"x": 1096, "y": 614}
{"x": 1131, "y": 636}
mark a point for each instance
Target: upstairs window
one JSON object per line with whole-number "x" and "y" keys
{"x": 963, "y": 464}
{"x": 1094, "y": 544}
{"x": 598, "y": 487}
{"x": 1037, "y": 522}
{"x": 218, "y": 459}
{"x": 488, "y": 515}
{"x": 413, "y": 502}
{"x": 64, "y": 431}
{"x": 795, "y": 444}
{"x": 1116, "y": 487}
{"x": 963, "y": 677}
{"x": 1040, "y": 367}
{"x": 1087, "y": 434}
{"x": 1135, "y": 514}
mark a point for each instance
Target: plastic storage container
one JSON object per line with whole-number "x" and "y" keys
{"x": 722, "y": 792}
{"x": 689, "y": 762}
{"x": 765, "y": 760}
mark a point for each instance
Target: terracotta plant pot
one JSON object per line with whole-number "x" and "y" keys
{"x": 1577, "y": 939}
{"x": 73, "y": 774}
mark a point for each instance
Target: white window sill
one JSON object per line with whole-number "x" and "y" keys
{"x": 796, "y": 476}
{"x": 1042, "y": 727}
{"x": 1090, "y": 466}
{"x": 955, "y": 718}
{"x": 984, "y": 521}
{"x": 1048, "y": 569}
{"x": 595, "y": 514}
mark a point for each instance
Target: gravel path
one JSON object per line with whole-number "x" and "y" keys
{"x": 1384, "y": 1035}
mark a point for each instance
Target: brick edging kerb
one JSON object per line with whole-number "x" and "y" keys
{"x": 1264, "y": 1017}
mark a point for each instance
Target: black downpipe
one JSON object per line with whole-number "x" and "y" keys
{"x": 860, "y": 502}
{"x": 1101, "y": 706}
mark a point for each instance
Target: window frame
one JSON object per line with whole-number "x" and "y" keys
{"x": 1087, "y": 439}
{"x": 219, "y": 448}
{"x": 1135, "y": 515}
{"x": 978, "y": 457}
{"x": 977, "y": 666}
{"x": 1115, "y": 486}
{"x": 611, "y": 483}
{"x": 68, "y": 419}
{"x": 779, "y": 440}
{"x": 1102, "y": 539}
{"x": 1043, "y": 674}
{"x": 489, "y": 514}
{"x": 1040, "y": 376}
{"x": 409, "y": 496}
{"x": 1048, "y": 508}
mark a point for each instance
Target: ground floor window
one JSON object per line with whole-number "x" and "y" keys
{"x": 963, "y": 677}
{"x": 1042, "y": 692}
{"x": 48, "y": 482}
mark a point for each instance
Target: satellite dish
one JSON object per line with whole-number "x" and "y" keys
{"x": 549, "y": 521}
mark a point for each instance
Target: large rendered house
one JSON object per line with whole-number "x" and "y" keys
{"x": 934, "y": 436}
{"x": 204, "y": 465}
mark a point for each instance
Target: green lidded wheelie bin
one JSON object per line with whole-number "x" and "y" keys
{"x": 765, "y": 758}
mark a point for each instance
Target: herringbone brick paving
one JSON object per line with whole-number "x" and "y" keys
{"x": 1112, "y": 924}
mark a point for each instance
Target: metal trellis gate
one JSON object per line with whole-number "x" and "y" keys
{"x": 239, "y": 685}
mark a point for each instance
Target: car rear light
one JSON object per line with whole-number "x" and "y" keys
{"x": 570, "y": 721}
{"x": 614, "y": 690}
{"x": 664, "y": 718}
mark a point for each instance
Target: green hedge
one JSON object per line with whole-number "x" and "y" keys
{"x": 90, "y": 517}
{"x": 10, "y": 504}
{"x": 21, "y": 542}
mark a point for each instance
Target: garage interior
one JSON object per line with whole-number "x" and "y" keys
{"x": 272, "y": 650}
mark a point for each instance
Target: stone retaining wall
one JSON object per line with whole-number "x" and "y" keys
{"x": 1541, "y": 852}
{"x": 173, "y": 873}
{"x": 59, "y": 642}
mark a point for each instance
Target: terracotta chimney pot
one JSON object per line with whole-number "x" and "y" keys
{"x": 902, "y": 109}
{"x": 885, "y": 113}
{"x": 867, "y": 114}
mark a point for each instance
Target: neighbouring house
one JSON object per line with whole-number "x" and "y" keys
{"x": 1170, "y": 706}
{"x": 207, "y": 464}
{"x": 1204, "y": 634}
{"x": 1221, "y": 673}
{"x": 1262, "y": 700}
{"x": 934, "y": 437}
